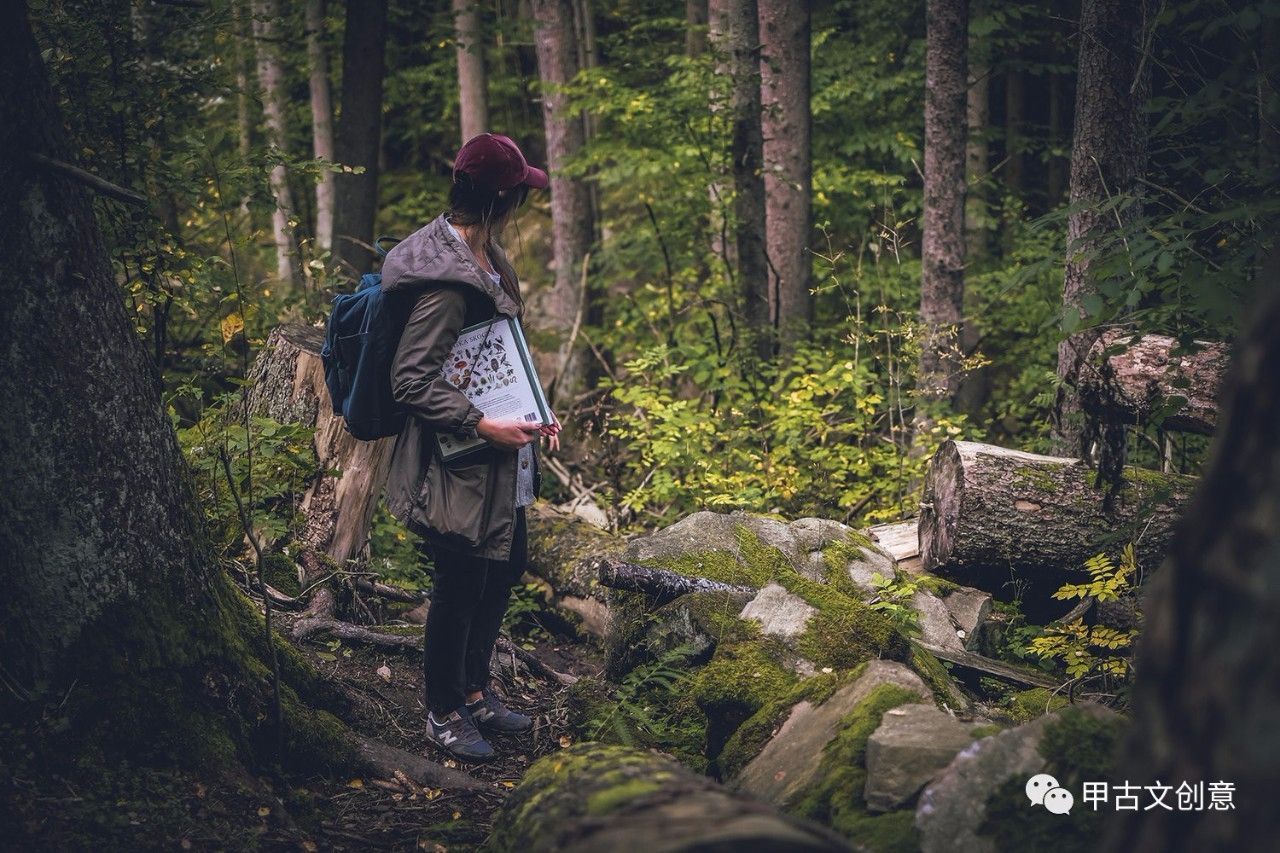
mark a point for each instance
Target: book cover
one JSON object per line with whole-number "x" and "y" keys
{"x": 490, "y": 363}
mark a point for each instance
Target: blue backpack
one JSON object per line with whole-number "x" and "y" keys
{"x": 360, "y": 342}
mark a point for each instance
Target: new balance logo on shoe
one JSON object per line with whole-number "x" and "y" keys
{"x": 447, "y": 737}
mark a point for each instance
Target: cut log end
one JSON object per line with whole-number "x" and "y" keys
{"x": 940, "y": 508}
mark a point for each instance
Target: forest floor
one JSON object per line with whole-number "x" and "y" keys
{"x": 380, "y": 814}
{"x": 152, "y": 808}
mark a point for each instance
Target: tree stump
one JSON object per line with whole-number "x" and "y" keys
{"x": 288, "y": 386}
{"x": 990, "y": 509}
{"x": 594, "y": 797}
{"x": 1136, "y": 379}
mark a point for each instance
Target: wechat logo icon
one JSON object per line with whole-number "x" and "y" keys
{"x": 1044, "y": 790}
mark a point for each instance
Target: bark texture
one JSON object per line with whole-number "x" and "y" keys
{"x": 1108, "y": 155}
{"x": 266, "y": 35}
{"x": 359, "y": 141}
{"x": 288, "y": 386}
{"x": 735, "y": 32}
{"x": 988, "y": 510}
{"x": 321, "y": 118}
{"x": 1208, "y": 677}
{"x": 596, "y": 797}
{"x": 942, "y": 272}
{"x": 786, "y": 128}
{"x": 695, "y": 38}
{"x": 977, "y": 222}
{"x": 473, "y": 89}
{"x": 564, "y": 551}
{"x": 562, "y": 305}
{"x": 1130, "y": 379}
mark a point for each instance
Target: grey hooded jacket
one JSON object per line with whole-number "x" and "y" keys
{"x": 468, "y": 503}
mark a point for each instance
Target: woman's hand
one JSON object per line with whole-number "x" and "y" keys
{"x": 552, "y": 432}
{"x": 507, "y": 434}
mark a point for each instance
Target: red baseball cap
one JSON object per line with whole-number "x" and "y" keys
{"x": 495, "y": 161}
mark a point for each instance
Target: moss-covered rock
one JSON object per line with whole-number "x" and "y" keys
{"x": 595, "y": 797}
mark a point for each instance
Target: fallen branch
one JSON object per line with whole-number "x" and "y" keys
{"x": 661, "y": 584}
{"x": 389, "y": 591}
{"x": 535, "y": 663}
{"x": 387, "y": 761}
{"x": 990, "y": 666}
{"x": 310, "y": 626}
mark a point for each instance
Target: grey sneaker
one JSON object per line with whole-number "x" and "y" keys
{"x": 457, "y": 735}
{"x": 489, "y": 713}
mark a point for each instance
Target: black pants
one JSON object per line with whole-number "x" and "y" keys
{"x": 469, "y": 597}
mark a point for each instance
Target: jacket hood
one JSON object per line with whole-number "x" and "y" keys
{"x": 434, "y": 254}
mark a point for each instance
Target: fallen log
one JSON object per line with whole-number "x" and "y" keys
{"x": 563, "y": 550}
{"x": 594, "y": 797}
{"x": 988, "y": 510}
{"x": 662, "y": 585}
{"x": 1128, "y": 378}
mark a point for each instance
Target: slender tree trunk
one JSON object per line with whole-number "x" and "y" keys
{"x": 719, "y": 191}
{"x": 321, "y": 119}
{"x": 359, "y": 141}
{"x": 737, "y": 32}
{"x": 695, "y": 37}
{"x": 266, "y": 33}
{"x": 560, "y": 306}
{"x": 786, "y": 129}
{"x": 977, "y": 222}
{"x": 942, "y": 279}
{"x": 1208, "y": 677}
{"x": 1057, "y": 173}
{"x": 1015, "y": 97}
{"x": 1108, "y": 155}
{"x": 473, "y": 92}
{"x": 244, "y": 59}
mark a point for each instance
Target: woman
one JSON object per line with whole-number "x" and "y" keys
{"x": 470, "y": 511}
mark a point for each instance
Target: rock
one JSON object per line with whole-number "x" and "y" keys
{"x": 791, "y": 758}
{"x": 953, "y": 807}
{"x": 807, "y": 543}
{"x": 780, "y": 613}
{"x": 934, "y": 619}
{"x": 970, "y": 609}
{"x": 911, "y": 745}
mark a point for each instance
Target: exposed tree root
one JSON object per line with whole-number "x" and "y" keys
{"x": 389, "y": 761}
{"x": 661, "y": 584}
{"x": 309, "y": 626}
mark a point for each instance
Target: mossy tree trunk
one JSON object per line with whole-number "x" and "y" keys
{"x": 116, "y": 619}
{"x": 988, "y": 509}
{"x": 1208, "y": 677}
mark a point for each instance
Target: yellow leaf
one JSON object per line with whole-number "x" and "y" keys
{"x": 565, "y": 740}
{"x": 263, "y": 811}
{"x": 232, "y": 325}
{"x": 356, "y": 783}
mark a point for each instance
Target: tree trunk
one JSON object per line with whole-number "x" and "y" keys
{"x": 288, "y": 386}
{"x": 988, "y": 510}
{"x": 1015, "y": 106}
{"x": 560, "y": 306}
{"x": 244, "y": 59}
{"x": 977, "y": 221}
{"x": 1128, "y": 380}
{"x": 473, "y": 91}
{"x": 1108, "y": 155}
{"x": 1056, "y": 180}
{"x": 695, "y": 37}
{"x": 563, "y": 553}
{"x": 597, "y": 797}
{"x": 735, "y": 29}
{"x": 942, "y": 273}
{"x": 786, "y": 128}
{"x": 321, "y": 119}
{"x": 266, "y": 34}
{"x": 359, "y": 140}
{"x": 1208, "y": 677}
